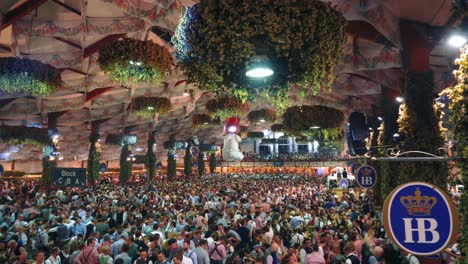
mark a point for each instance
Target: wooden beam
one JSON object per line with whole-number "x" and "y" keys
{"x": 67, "y": 7}
{"x": 19, "y": 12}
{"x": 75, "y": 71}
{"x": 66, "y": 41}
{"x": 5, "y": 47}
{"x": 99, "y": 44}
{"x": 96, "y": 92}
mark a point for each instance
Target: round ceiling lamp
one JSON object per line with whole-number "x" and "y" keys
{"x": 259, "y": 67}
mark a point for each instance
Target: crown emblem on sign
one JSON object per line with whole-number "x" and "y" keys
{"x": 366, "y": 171}
{"x": 418, "y": 205}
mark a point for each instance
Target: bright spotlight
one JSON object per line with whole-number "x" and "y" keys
{"x": 399, "y": 99}
{"x": 380, "y": 118}
{"x": 457, "y": 41}
{"x": 259, "y": 72}
{"x": 232, "y": 129}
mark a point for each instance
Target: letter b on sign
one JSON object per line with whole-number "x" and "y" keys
{"x": 426, "y": 229}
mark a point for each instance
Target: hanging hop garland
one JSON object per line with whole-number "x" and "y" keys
{"x": 303, "y": 41}
{"x": 135, "y": 60}
{"x": 267, "y": 115}
{"x": 300, "y": 119}
{"x": 148, "y": 107}
{"x": 28, "y": 76}
{"x": 225, "y": 107}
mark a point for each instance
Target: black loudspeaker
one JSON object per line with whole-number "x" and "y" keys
{"x": 358, "y": 133}
{"x": 358, "y": 126}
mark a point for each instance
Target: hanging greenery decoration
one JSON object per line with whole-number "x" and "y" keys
{"x": 302, "y": 139}
{"x": 325, "y": 134}
{"x": 305, "y": 119}
{"x": 115, "y": 139}
{"x": 277, "y": 127}
{"x": 28, "y": 76}
{"x": 135, "y": 60}
{"x": 262, "y": 115}
{"x": 225, "y": 107}
{"x": 148, "y": 107}
{"x": 203, "y": 120}
{"x": 255, "y": 135}
{"x": 458, "y": 95}
{"x": 19, "y": 135}
{"x": 302, "y": 41}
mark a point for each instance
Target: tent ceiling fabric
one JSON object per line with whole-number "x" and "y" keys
{"x": 67, "y": 34}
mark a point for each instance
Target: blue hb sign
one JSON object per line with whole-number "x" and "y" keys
{"x": 366, "y": 176}
{"x": 355, "y": 167}
{"x": 420, "y": 218}
{"x": 103, "y": 167}
{"x": 344, "y": 183}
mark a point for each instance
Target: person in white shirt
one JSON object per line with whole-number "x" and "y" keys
{"x": 54, "y": 256}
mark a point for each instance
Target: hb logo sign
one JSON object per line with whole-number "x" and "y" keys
{"x": 420, "y": 218}
{"x": 366, "y": 176}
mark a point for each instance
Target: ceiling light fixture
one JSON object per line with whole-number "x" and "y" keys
{"x": 258, "y": 67}
{"x": 186, "y": 93}
{"x": 137, "y": 63}
{"x": 314, "y": 127}
{"x": 399, "y": 99}
{"x": 262, "y": 120}
{"x": 457, "y": 40}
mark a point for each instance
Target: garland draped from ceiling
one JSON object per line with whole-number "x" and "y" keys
{"x": 267, "y": 115}
{"x": 18, "y": 135}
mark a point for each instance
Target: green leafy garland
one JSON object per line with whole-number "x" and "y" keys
{"x": 188, "y": 162}
{"x": 135, "y": 60}
{"x": 458, "y": 94}
{"x": 203, "y": 120}
{"x": 419, "y": 124}
{"x": 148, "y": 107}
{"x": 171, "y": 165}
{"x": 125, "y": 165}
{"x": 28, "y": 76}
{"x": 302, "y": 40}
{"x": 319, "y": 122}
{"x": 19, "y": 135}
{"x": 267, "y": 115}
{"x": 94, "y": 158}
{"x": 225, "y": 107}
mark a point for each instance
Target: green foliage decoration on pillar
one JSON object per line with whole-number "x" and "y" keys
{"x": 201, "y": 163}
{"x": 458, "y": 95}
{"x": 188, "y": 161}
{"x": 171, "y": 164}
{"x": 151, "y": 158}
{"x": 386, "y": 169}
{"x": 48, "y": 166}
{"x": 420, "y": 126}
{"x": 213, "y": 162}
{"x": 125, "y": 166}
{"x": 94, "y": 158}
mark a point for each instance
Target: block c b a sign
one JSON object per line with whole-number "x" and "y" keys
{"x": 420, "y": 218}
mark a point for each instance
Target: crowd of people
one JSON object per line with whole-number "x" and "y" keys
{"x": 218, "y": 219}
